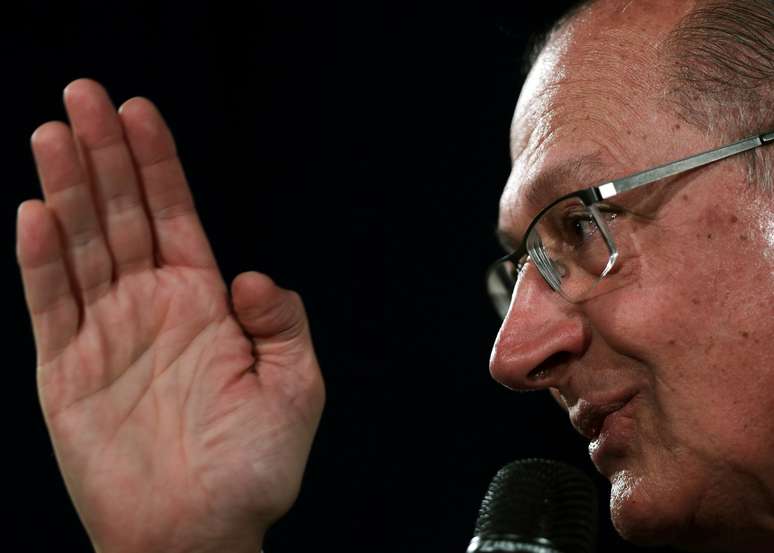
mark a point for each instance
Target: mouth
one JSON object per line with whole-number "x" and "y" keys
{"x": 589, "y": 418}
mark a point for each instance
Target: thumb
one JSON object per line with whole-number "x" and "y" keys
{"x": 267, "y": 312}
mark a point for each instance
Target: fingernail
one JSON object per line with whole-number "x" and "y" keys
{"x": 69, "y": 88}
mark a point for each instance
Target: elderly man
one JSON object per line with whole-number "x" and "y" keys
{"x": 649, "y": 313}
{"x": 182, "y": 418}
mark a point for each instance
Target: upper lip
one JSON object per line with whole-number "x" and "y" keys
{"x": 588, "y": 417}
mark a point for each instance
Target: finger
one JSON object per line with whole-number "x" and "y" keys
{"x": 116, "y": 190}
{"x": 180, "y": 238}
{"x": 67, "y": 193}
{"x": 268, "y": 313}
{"x": 47, "y": 288}
{"x": 276, "y": 320}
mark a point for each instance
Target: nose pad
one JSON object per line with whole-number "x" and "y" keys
{"x": 540, "y": 334}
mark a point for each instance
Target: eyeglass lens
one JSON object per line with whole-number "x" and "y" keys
{"x": 569, "y": 246}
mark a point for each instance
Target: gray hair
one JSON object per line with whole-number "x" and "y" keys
{"x": 718, "y": 73}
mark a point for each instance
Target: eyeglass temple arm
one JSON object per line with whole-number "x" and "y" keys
{"x": 612, "y": 188}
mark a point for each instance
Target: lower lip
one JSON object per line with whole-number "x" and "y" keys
{"x": 614, "y": 441}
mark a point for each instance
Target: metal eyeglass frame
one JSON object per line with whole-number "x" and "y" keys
{"x": 595, "y": 194}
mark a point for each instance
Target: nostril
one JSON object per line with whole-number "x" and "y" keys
{"x": 538, "y": 373}
{"x": 549, "y": 365}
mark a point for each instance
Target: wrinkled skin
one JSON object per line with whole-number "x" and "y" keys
{"x": 181, "y": 414}
{"x": 684, "y": 324}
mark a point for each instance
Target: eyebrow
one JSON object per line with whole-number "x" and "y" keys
{"x": 562, "y": 178}
{"x": 505, "y": 240}
{"x": 565, "y": 177}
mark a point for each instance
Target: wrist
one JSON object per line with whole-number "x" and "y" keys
{"x": 247, "y": 545}
{"x": 210, "y": 548}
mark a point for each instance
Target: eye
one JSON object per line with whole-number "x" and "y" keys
{"x": 579, "y": 225}
{"x": 609, "y": 212}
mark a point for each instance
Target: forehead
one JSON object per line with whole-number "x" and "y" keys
{"x": 588, "y": 110}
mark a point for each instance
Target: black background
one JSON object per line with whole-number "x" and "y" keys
{"x": 356, "y": 153}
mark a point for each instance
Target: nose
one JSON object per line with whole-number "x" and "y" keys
{"x": 538, "y": 337}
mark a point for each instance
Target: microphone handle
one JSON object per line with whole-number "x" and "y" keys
{"x": 509, "y": 543}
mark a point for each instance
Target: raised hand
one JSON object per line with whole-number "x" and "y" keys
{"x": 181, "y": 420}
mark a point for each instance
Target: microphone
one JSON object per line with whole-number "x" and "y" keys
{"x": 537, "y": 506}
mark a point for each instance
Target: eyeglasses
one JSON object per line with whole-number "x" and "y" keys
{"x": 570, "y": 241}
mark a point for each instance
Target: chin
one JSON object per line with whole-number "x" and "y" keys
{"x": 645, "y": 513}
{"x": 649, "y": 513}
{"x": 637, "y": 514}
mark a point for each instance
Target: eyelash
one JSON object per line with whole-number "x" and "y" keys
{"x": 573, "y": 216}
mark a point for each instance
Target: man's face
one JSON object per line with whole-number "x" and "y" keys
{"x": 682, "y": 333}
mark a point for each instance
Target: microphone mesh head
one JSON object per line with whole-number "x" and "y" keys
{"x": 541, "y": 502}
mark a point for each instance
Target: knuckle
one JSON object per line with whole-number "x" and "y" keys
{"x": 122, "y": 202}
{"x": 80, "y": 238}
{"x": 173, "y": 211}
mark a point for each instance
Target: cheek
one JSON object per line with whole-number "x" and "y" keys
{"x": 692, "y": 298}
{"x": 688, "y": 315}
{"x": 676, "y": 292}
{"x": 688, "y": 312}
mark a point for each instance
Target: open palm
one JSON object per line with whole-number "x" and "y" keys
{"x": 181, "y": 414}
